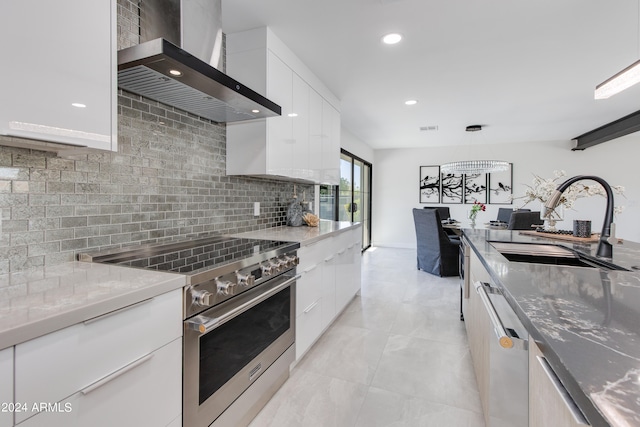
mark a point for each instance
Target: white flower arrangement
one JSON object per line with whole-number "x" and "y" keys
{"x": 542, "y": 189}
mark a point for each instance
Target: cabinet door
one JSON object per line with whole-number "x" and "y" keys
{"x": 148, "y": 393}
{"x": 308, "y": 327}
{"x": 549, "y": 402}
{"x": 330, "y": 144}
{"x": 6, "y": 385}
{"x": 328, "y": 290}
{"x": 300, "y": 122}
{"x": 316, "y": 137}
{"x": 280, "y": 129}
{"x": 60, "y": 54}
{"x": 478, "y": 326}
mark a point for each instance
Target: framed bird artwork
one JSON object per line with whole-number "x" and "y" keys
{"x": 501, "y": 187}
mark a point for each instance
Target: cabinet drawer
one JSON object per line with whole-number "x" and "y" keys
{"x": 308, "y": 287}
{"x": 308, "y": 327}
{"x": 310, "y": 255}
{"x": 69, "y": 360}
{"x": 148, "y": 394}
{"x": 6, "y": 386}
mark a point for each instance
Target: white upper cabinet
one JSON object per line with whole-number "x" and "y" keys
{"x": 304, "y": 142}
{"x": 58, "y": 54}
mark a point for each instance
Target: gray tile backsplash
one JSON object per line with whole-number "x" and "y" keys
{"x": 166, "y": 181}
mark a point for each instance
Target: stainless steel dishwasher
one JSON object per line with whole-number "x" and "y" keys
{"x": 508, "y": 361}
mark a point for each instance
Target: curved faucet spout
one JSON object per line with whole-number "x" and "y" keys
{"x": 605, "y": 249}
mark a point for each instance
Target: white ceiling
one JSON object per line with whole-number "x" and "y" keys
{"x": 525, "y": 70}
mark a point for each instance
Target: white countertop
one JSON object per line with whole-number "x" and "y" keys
{"x": 304, "y": 235}
{"x": 39, "y": 301}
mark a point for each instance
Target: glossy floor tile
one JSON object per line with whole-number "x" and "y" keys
{"x": 396, "y": 356}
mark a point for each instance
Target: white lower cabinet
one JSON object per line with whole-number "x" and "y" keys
{"x": 6, "y": 387}
{"x": 147, "y": 392}
{"x": 98, "y": 370}
{"x": 329, "y": 278}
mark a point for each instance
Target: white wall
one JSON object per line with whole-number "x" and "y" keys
{"x": 355, "y": 146}
{"x": 396, "y": 179}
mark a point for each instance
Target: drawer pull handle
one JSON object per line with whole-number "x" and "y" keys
{"x": 311, "y": 307}
{"x": 120, "y": 310}
{"x": 566, "y": 398}
{"x": 341, "y": 251}
{"x": 329, "y": 258}
{"x": 112, "y": 376}
{"x": 310, "y": 269}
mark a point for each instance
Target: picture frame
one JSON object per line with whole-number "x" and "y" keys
{"x": 451, "y": 188}
{"x": 475, "y": 188}
{"x": 501, "y": 187}
{"x": 429, "y": 184}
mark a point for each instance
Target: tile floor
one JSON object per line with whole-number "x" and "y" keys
{"x": 397, "y": 356}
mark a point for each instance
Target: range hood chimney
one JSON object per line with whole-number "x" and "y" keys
{"x": 187, "y": 77}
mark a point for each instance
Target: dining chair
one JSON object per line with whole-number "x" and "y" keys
{"x": 504, "y": 214}
{"x": 437, "y": 253}
{"x": 524, "y": 220}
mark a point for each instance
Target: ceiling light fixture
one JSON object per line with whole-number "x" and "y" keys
{"x": 392, "y": 38}
{"x": 623, "y": 79}
{"x": 176, "y": 73}
{"x": 475, "y": 166}
{"x": 619, "y": 82}
{"x": 78, "y": 105}
{"x": 411, "y": 102}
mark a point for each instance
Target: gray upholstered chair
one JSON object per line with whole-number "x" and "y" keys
{"x": 442, "y": 210}
{"x": 524, "y": 220}
{"x": 504, "y": 214}
{"x": 437, "y": 253}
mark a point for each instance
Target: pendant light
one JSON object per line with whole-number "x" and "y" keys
{"x": 475, "y": 166}
{"x": 623, "y": 79}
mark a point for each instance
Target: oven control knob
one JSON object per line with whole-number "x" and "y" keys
{"x": 266, "y": 269}
{"x": 293, "y": 259}
{"x": 225, "y": 287}
{"x": 202, "y": 298}
{"x": 275, "y": 266}
{"x": 245, "y": 279}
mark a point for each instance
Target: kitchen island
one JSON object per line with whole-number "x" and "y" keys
{"x": 584, "y": 320}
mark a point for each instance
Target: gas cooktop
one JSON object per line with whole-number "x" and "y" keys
{"x": 190, "y": 256}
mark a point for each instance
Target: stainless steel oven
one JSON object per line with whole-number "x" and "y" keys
{"x": 239, "y": 321}
{"x": 229, "y": 346}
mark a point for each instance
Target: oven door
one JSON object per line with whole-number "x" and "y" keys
{"x": 229, "y": 346}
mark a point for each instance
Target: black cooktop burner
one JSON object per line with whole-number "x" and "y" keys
{"x": 189, "y": 256}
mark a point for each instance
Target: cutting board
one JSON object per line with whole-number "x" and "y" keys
{"x": 566, "y": 237}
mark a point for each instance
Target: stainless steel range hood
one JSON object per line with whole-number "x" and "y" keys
{"x": 160, "y": 70}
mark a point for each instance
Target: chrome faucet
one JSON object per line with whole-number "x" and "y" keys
{"x": 607, "y": 237}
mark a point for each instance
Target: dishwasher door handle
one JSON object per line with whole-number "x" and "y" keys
{"x": 505, "y": 339}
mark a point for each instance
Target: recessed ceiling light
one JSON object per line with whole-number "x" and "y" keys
{"x": 255, "y": 111}
{"x": 176, "y": 73}
{"x": 292, "y": 114}
{"x": 391, "y": 38}
{"x": 411, "y": 102}
{"x": 79, "y": 105}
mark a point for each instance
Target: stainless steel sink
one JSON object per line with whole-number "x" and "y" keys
{"x": 549, "y": 254}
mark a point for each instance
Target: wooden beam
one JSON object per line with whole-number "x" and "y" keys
{"x": 616, "y": 129}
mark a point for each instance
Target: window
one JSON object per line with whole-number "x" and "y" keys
{"x": 353, "y": 195}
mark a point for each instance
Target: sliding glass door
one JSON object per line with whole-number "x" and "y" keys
{"x": 351, "y": 200}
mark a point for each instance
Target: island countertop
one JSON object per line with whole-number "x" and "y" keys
{"x": 585, "y": 320}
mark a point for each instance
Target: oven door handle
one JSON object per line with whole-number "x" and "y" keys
{"x": 204, "y": 324}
